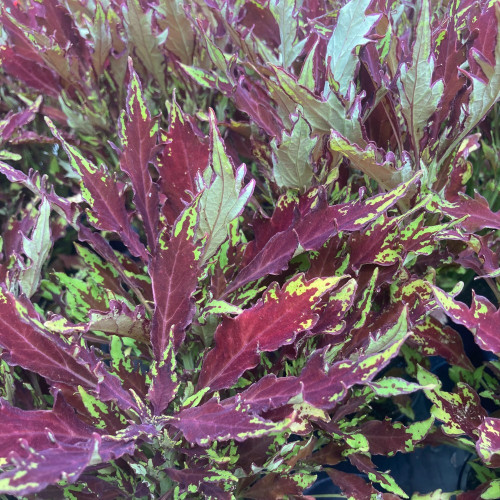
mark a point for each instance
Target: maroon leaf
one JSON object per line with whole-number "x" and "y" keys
{"x": 34, "y": 73}
{"x": 434, "y": 339}
{"x": 477, "y": 210}
{"x": 267, "y": 394}
{"x": 387, "y": 438}
{"x": 198, "y": 477}
{"x": 275, "y": 486}
{"x": 351, "y": 485}
{"x": 271, "y": 260}
{"x": 184, "y": 156}
{"x": 273, "y": 322}
{"x": 174, "y": 274}
{"x": 460, "y": 411}
{"x": 481, "y": 318}
{"x": 488, "y": 444}
{"x": 325, "y": 386}
{"x": 138, "y": 133}
{"x": 100, "y": 191}
{"x": 324, "y": 222}
{"x": 13, "y": 121}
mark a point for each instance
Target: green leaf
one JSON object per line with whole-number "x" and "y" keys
{"x": 394, "y": 386}
{"x": 224, "y": 197}
{"x": 180, "y": 38}
{"x": 352, "y": 26}
{"x": 285, "y": 12}
{"x": 419, "y": 96}
{"x": 37, "y": 250}
{"x": 139, "y": 26}
{"x": 323, "y": 116}
{"x": 101, "y": 34}
{"x": 371, "y": 162}
{"x": 292, "y": 163}
{"x": 394, "y": 334}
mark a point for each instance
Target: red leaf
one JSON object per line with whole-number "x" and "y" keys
{"x": 271, "y": 260}
{"x": 267, "y": 394}
{"x": 138, "y": 133}
{"x": 33, "y": 73}
{"x": 100, "y": 191}
{"x": 174, "y": 274}
{"x": 273, "y": 322}
{"x": 184, "y": 156}
{"x": 325, "y": 386}
{"x": 433, "y": 339}
{"x": 351, "y": 485}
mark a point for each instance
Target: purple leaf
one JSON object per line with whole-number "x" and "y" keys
{"x": 214, "y": 422}
{"x": 46, "y": 446}
{"x": 14, "y": 121}
{"x": 28, "y": 344}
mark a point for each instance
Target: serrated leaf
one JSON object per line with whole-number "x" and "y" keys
{"x": 28, "y": 344}
{"x": 371, "y": 161}
{"x": 323, "y": 115}
{"x": 37, "y": 250}
{"x": 101, "y": 34}
{"x": 99, "y": 190}
{"x": 292, "y": 157}
{"x": 137, "y": 131}
{"x": 165, "y": 382}
{"x": 214, "y": 422}
{"x": 488, "y": 444}
{"x": 139, "y": 25}
{"x": 48, "y": 446}
{"x": 14, "y": 121}
{"x": 349, "y": 33}
{"x": 181, "y": 37}
{"x": 183, "y": 158}
{"x": 393, "y": 386}
{"x": 122, "y": 321}
{"x": 174, "y": 275}
{"x": 285, "y": 12}
{"x": 419, "y": 94}
{"x": 387, "y": 438}
{"x": 460, "y": 411}
{"x": 482, "y": 318}
{"x": 224, "y": 196}
{"x": 325, "y": 386}
{"x": 273, "y": 322}
{"x": 174, "y": 272}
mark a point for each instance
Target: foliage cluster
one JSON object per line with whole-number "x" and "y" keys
{"x": 233, "y": 238}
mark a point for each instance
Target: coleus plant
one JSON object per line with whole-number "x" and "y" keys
{"x": 233, "y": 237}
